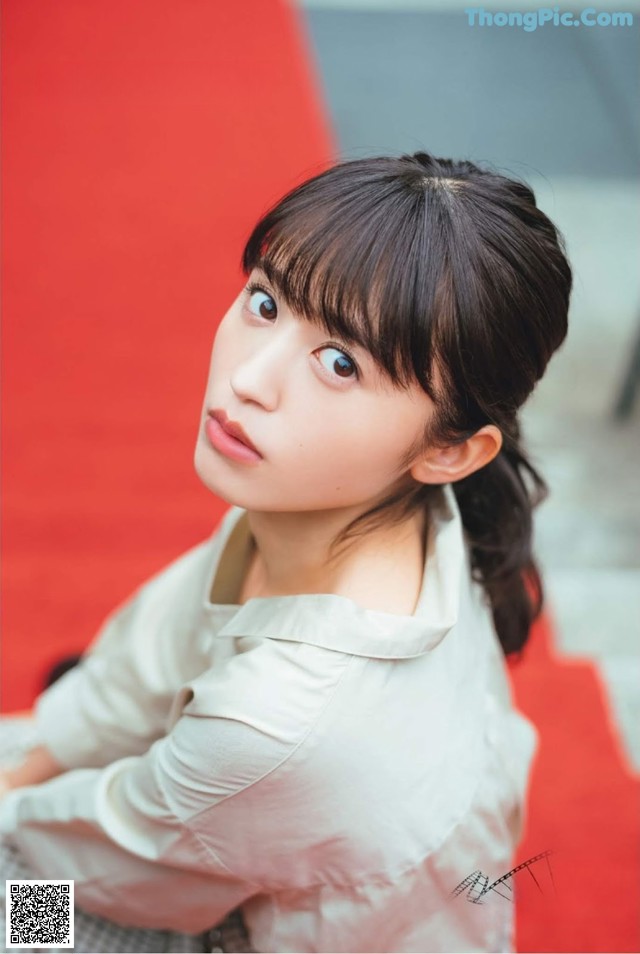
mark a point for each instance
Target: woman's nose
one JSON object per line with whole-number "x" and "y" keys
{"x": 259, "y": 376}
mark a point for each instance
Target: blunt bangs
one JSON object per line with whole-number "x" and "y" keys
{"x": 363, "y": 258}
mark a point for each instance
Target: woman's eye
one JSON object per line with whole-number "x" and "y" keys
{"x": 262, "y": 304}
{"x": 338, "y": 362}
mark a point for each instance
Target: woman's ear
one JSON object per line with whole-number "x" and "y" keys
{"x": 443, "y": 465}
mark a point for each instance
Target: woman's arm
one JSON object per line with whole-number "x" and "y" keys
{"x": 116, "y": 701}
{"x": 211, "y": 814}
{"x": 124, "y": 833}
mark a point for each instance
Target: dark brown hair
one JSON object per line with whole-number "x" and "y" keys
{"x": 429, "y": 264}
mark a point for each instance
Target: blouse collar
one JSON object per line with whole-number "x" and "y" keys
{"x": 337, "y": 622}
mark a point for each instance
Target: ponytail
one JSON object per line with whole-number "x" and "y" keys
{"x": 496, "y": 507}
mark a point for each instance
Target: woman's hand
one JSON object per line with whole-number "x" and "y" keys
{"x": 37, "y": 766}
{"x": 5, "y": 782}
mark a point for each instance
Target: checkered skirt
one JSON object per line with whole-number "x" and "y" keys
{"x": 93, "y": 934}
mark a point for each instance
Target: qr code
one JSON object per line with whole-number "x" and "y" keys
{"x": 39, "y": 913}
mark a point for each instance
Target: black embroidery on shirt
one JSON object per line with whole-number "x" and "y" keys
{"x": 477, "y": 883}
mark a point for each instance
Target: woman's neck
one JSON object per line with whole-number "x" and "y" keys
{"x": 382, "y": 568}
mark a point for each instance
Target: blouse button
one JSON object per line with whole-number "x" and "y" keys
{"x": 217, "y": 950}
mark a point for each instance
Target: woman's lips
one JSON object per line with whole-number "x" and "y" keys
{"x": 229, "y": 438}
{"x": 233, "y": 428}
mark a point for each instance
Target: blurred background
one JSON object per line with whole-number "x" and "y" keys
{"x": 558, "y": 107}
{"x": 141, "y": 140}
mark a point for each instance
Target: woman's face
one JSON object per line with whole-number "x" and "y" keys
{"x": 330, "y": 429}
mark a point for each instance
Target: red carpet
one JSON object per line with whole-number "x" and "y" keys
{"x": 140, "y": 143}
{"x": 583, "y": 806}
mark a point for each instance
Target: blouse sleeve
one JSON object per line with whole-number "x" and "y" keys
{"x": 115, "y": 702}
{"x": 124, "y": 835}
{"x": 210, "y": 815}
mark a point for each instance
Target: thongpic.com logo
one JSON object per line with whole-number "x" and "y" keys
{"x": 530, "y": 20}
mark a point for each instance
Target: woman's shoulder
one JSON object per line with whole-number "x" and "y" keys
{"x": 276, "y": 680}
{"x": 179, "y": 584}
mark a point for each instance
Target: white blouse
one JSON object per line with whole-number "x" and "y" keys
{"x": 333, "y": 770}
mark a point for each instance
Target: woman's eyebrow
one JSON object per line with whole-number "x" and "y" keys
{"x": 263, "y": 275}
{"x": 257, "y": 272}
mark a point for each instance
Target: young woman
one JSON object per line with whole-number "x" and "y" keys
{"x": 301, "y": 730}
